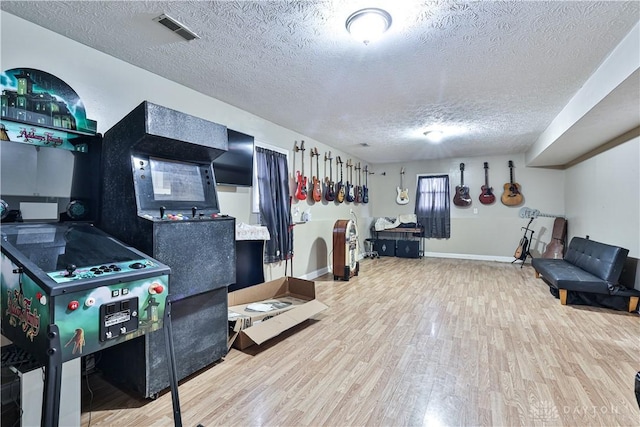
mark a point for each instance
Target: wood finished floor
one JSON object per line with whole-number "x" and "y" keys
{"x": 409, "y": 342}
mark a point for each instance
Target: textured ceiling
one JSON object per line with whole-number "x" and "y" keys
{"x": 491, "y": 74}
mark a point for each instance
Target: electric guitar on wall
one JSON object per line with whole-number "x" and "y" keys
{"x": 359, "y": 185}
{"x": 340, "y": 185}
{"x": 329, "y": 189}
{"x": 486, "y": 193}
{"x": 462, "y": 197}
{"x": 316, "y": 192}
{"x": 403, "y": 193}
{"x": 365, "y": 189}
{"x": 301, "y": 181}
{"x": 511, "y": 195}
{"x": 351, "y": 196}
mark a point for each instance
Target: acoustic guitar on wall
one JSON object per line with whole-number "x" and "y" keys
{"x": 462, "y": 197}
{"x": 403, "y": 193}
{"x": 511, "y": 195}
{"x": 486, "y": 193}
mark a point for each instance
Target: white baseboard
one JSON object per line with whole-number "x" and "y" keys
{"x": 315, "y": 274}
{"x": 469, "y": 256}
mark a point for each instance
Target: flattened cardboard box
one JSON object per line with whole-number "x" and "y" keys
{"x": 293, "y": 302}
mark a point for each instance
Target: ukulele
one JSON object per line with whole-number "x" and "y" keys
{"x": 329, "y": 188}
{"x": 403, "y": 193}
{"x": 359, "y": 186}
{"x": 339, "y": 186}
{"x": 522, "y": 251}
{"x": 486, "y": 192}
{"x": 462, "y": 197}
{"x": 301, "y": 186}
{"x": 350, "y": 194}
{"x": 316, "y": 192}
{"x": 365, "y": 189}
{"x": 511, "y": 195}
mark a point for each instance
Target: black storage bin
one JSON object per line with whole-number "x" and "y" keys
{"x": 385, "y": 247}
{"x": 408, "y": 249}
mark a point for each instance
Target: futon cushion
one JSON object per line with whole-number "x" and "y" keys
{"x": 602, "y": 260}
{"x": 564, "y": 275}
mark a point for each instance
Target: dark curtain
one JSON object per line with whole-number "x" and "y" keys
{"x": 432, "y": 206}
{"x": 275, "y": 205}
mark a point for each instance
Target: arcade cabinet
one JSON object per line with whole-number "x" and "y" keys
{"x": 159, "y": 195}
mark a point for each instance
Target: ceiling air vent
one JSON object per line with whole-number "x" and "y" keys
{"x": 176, "y": 27}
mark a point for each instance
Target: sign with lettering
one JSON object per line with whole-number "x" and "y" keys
{"x": 40, "y": 109}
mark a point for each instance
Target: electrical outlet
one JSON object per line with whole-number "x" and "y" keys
{"x": 351, "y": 211}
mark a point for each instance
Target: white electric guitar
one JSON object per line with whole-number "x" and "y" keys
{"x": 403, "y": 193}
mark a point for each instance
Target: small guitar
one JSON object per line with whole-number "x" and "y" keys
{"x": 340, "y": 186}
{"x": 365, "y": 188}
{"x": 351, "y": 196}
{"x": 511, "y": 195}
{"x": 486, "y": 193}
{"x": 301, "y": 180}
{"x": 359, "y": 185}
{"x": 329, "y": 188}
{"x": 523, "y": 247}
{"x": 316, "y": 192}
{"x": 462, "y": 197}
{"x": 402, "y": 197}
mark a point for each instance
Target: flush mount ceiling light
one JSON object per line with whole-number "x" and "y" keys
{"x": 368, "y": 24}
{"x": 434, "y": 136}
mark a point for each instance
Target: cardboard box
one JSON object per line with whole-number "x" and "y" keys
{"x": 261, "y": 312}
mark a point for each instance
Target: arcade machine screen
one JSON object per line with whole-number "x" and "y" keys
{"x": 174, "y": 187}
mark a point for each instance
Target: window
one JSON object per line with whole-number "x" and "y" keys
{"x": 433, "y": 206}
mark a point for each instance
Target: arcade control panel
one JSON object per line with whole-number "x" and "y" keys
{"x": 96, "y": 290}
{"x": 71, "y": 272}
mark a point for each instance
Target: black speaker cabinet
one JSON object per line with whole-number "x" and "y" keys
{"x": 385, "y": 247}
{"x": 408, "y": 249}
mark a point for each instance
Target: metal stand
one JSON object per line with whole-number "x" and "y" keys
{"x": 369, "y": 252}
{"x": 171, "y": 362}
{"x": 526, "y": 244}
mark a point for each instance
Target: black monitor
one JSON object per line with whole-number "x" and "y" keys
{"x": 235, "y": 166}
{"x": 176, "y": 186}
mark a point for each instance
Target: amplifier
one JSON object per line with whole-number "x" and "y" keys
{"x": 408, "y": 249}
{"x": 385, "y": 247}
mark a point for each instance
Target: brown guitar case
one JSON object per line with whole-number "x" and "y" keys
{"x": 555, "y": 248}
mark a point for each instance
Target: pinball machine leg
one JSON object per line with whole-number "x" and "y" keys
{"x": 171, "y": 362}
{"x": 52, "y": 379}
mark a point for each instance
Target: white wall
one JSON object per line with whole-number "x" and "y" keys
{"x": 495, "y": 230}
{"x": 603, "y": 197}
